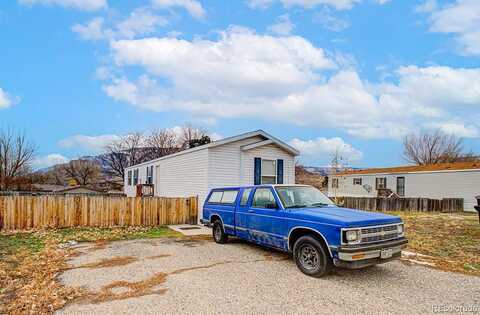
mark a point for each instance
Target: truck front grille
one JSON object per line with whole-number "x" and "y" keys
{"x": 379, "y": 233}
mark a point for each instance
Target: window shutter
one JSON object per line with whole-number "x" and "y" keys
{"x": 279, "y": 171}
{"x": 257, "y": 173}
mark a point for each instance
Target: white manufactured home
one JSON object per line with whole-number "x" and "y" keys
{"x": 438, "y": 181}
{"x": 248, "y": 159}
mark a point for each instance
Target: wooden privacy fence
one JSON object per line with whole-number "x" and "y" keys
{"x": 52, "y": 211}
{"x": 403, "y": 204}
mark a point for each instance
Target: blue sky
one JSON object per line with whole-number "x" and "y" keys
{"x": 323, "y": 75}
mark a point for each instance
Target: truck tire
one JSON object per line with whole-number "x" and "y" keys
{"x": 311, "y": 257}
{"x": 218, "y": 233}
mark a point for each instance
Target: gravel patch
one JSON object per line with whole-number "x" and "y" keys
{"x": 202, "y": 277}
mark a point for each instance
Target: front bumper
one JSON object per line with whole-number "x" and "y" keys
{"x": 359, "y": 257}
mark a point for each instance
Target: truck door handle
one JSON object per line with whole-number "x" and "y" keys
{"x": 250, "y": 210}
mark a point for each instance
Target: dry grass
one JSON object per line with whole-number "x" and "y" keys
{"x": 452, "y": 240}
{"x": 29, "y": 282}
{"x": 30, "y": 263}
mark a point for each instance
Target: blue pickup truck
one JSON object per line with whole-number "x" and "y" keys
{"x": 302, "y": 220}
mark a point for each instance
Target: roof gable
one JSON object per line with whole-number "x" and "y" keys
{"x": 271, "y": 140}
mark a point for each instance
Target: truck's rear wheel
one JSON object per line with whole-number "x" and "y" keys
{"x": 310, "y": 257}
{"x": 218, "y": 232}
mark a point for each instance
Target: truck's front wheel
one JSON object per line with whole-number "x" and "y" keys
{"x": 310, "y": 257}
{"x": 218, "y": 232}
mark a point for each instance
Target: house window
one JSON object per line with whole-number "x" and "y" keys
{"x": 401, "y": 186}
{"x": 357, "y": 181}
{"x": 150, "y": 175}
{"x": 334, "y": 182}
{"x": 129, "y": 176}
{"x": 381, "y": 183}
{"x": 135, "y": 177}
{"x": 269, "y": 171}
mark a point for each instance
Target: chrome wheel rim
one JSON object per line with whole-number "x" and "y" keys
{"x": 217, "y": 233}
{"x": 309, "y": 257}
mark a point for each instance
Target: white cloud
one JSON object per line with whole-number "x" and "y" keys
{"x": 140, "y": 22}
{"x": 427, "y": 6}
{"x": 461, "y": 18}
{"x": 5, "y": 100}
{"x": 331, "y": 22}
{"x": 192, "y": 6}
{"x": 50, "y": 160}
{"x": 436, "y": 87}
{"x": 322, "y": 149}
{"x": 283, "y": 26}
{"x": 92, "y": 30}
{"x": 244, "y": 74}
{"x": 458, "y": 129}
{"x": 86, "y": 5}
{"x": 93, "y": 144}
{"x": 215, "y": 136}
{"x": 241, "y": 64}
{"x": 337, "y": 4}
{"x": 308, "y": 4}
{"x": 259, "y": 4}
{"x": 382, "y": 2}
{"x": 103, "y": 73}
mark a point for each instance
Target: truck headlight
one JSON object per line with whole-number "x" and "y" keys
{"x": 353, "y": 236}
{"x": 400, "y": 230}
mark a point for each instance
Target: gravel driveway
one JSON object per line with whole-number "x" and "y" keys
{"x": 166, "y": 276}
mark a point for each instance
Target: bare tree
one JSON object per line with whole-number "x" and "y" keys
{"x": 193, "y": 136}
{"x": 163, "y": 142}
{"x": 434, "y": 147}
{"x": 136, "y": 148}
{"x": 338, "y": 165}
{"x": 84, "y": 172}
{"x": 16, "y": 157}
{"x": 120, "y": 154}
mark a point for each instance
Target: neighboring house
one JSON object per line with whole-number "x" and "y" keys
{"x": 59, "y": 189}
{"x": 247, "y": 159}
{"x": 436, "y": 181}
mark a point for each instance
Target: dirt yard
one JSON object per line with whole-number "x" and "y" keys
{"x": 450, "y": 241}
{"x": 198, "y": 276}
{"x": 156, "y": 270}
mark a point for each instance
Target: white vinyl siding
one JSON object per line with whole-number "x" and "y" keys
{"x": 196, "y": 172}
{"x": 268, "y": 152}
{"x": 225, "y": 163}
{"x": 184, "y": 175}
{"x": 436, "y": 185}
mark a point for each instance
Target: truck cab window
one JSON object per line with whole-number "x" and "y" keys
{"x": 245, "y": 195}
{"x": 262, "y": 198}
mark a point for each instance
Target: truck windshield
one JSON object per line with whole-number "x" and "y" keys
{"x": 302, "y": 197}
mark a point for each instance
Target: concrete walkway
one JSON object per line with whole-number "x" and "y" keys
{"x": 191, "y": 230}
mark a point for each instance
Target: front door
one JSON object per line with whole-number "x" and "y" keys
{"x": 266, "y": 220}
